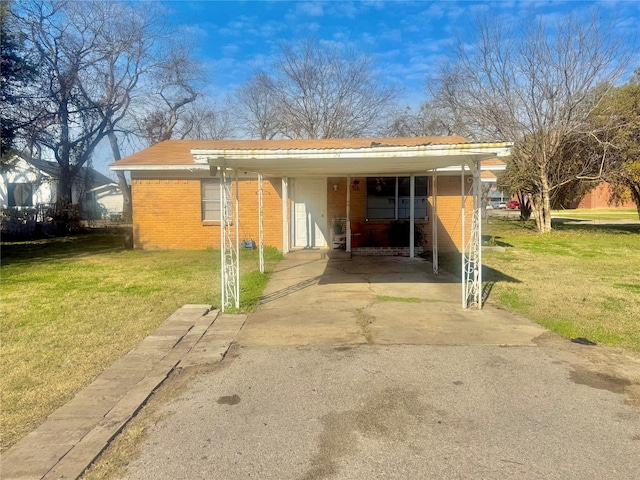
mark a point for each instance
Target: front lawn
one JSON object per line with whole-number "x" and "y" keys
{"x": 72, "y": 306}
{"x": 579, "y": 280}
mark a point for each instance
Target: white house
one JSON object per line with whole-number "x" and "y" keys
{"x": 32, "y": 183}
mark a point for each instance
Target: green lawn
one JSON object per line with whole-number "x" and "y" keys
{"x": 605, "y": 214}
{"x": 579, "y": 281}
{"x": 72, "y": 306}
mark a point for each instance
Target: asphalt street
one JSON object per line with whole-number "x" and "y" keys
{"x": 395, "y": 412}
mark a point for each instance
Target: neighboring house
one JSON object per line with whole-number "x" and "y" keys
{"x": 308, "y": 186}
{"x": 32, "y": 183}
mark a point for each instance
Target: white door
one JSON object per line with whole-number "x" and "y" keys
{"x": 309, "y": 213}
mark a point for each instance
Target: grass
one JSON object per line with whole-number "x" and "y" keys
{"x": 579, "y": 280}
{"x": 387, "y": 298}
{"x": 72, "y": 306}
{"x": 598, "y": 214}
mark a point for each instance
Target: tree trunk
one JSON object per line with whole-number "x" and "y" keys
{"x": 63, "y": 201}
{"x": 635, "y": 194}
{"x": 545, "y": 216}
{"x": 125, "y": 188}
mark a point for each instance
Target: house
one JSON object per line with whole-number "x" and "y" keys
{"x": 393, "y": 196}
{"x": 176, "y": 200}
{"x": 32, "y": 183}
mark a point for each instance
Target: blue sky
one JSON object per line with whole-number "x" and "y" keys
{"x": 408, "y": 39}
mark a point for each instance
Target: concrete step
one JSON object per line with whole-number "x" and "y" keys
{"x": 308, "y": 254}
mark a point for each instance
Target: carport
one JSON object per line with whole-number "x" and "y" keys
{"x": 340, "y": 158}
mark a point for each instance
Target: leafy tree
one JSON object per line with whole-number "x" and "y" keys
{"x": 16, "y": 75}
{"x": 616, "y": 143}
{"x": 535, "y": 87}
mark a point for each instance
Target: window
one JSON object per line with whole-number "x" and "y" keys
{"x": 210, "y": 191}
{"x": 389, "y": 198}
{"x": 20, "y": 194}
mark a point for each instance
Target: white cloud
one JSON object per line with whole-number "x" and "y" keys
{"x": 311, "y": 9}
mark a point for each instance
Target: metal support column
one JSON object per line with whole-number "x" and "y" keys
{"x": 412, "y": 213}
{"x": 462, "y": 240}
{"x": 434, "y": 221}
{"x": 260, "y": 224}
{"x": 229, "y": 243}
{"x": 285, "y": 214}
{"x": 472, "y": 256}
{"x": 348, "y": 222}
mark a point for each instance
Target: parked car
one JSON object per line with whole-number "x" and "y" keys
{"x": 513, "y": 205}
{"x": 502, "y": 205}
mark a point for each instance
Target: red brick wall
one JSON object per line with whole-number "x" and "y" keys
{"x": 600, "y": 197}
{"x": 167, "y": 214}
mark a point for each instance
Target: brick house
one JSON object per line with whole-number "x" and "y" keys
{"x": 176, "y": 202}
{"x": 394, "y": 196}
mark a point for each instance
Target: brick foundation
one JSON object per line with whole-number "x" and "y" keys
{"x": 385, "y": 251}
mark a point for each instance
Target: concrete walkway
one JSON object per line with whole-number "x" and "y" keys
{"x": 75, "y": 434}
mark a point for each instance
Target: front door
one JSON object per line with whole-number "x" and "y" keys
{"x": 309, "y": 213}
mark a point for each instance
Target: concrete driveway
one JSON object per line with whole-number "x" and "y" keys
{"x": 338, "y": 376}
{"x": 376, "y": 300}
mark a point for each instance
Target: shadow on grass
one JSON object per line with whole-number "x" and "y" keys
{"x": 490, "y": 277}
{"x": 494, "y": 241}
{"x": 621, "y": 228}
{"x": 59, "y": 248}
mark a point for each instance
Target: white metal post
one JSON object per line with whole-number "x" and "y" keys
{"x": 230, "y": 262}
{"x": 223, "y": 240}
{"x": 237, "y": 259}
{"x": 412, "y": 220}
{"x": 477, "y": 184}
{"x": 348, "y": 225}
{"x": 260, "y": 224}
{"x": 434, "y": 221}
{"x": 464, "y": 260}
{"x": 285, "y": 214}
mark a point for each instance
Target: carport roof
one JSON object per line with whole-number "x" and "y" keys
{"x": 320, "y": 157}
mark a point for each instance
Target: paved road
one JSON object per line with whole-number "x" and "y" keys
{"x": 396, "y": 412}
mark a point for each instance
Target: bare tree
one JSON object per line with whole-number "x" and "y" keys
{"x": 254, "y": 107}
{"x": 427, "y": 121}
{"x": 174, "y": 86}
{"x": 205, "y": 120}
{"x": 535, "y": 88}
{"x": 90, "y": 55}
{"x": 317, "y": 90}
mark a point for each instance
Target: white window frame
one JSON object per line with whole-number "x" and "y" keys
{"x": 210, "y": 197}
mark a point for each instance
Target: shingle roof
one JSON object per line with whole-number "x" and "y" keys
{"x": 178, "y": 152}
{"x": 96, "y": 178}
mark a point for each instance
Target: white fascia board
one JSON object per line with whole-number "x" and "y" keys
{"x": 491, "y": 150}
{"x": 131, "y": 168}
